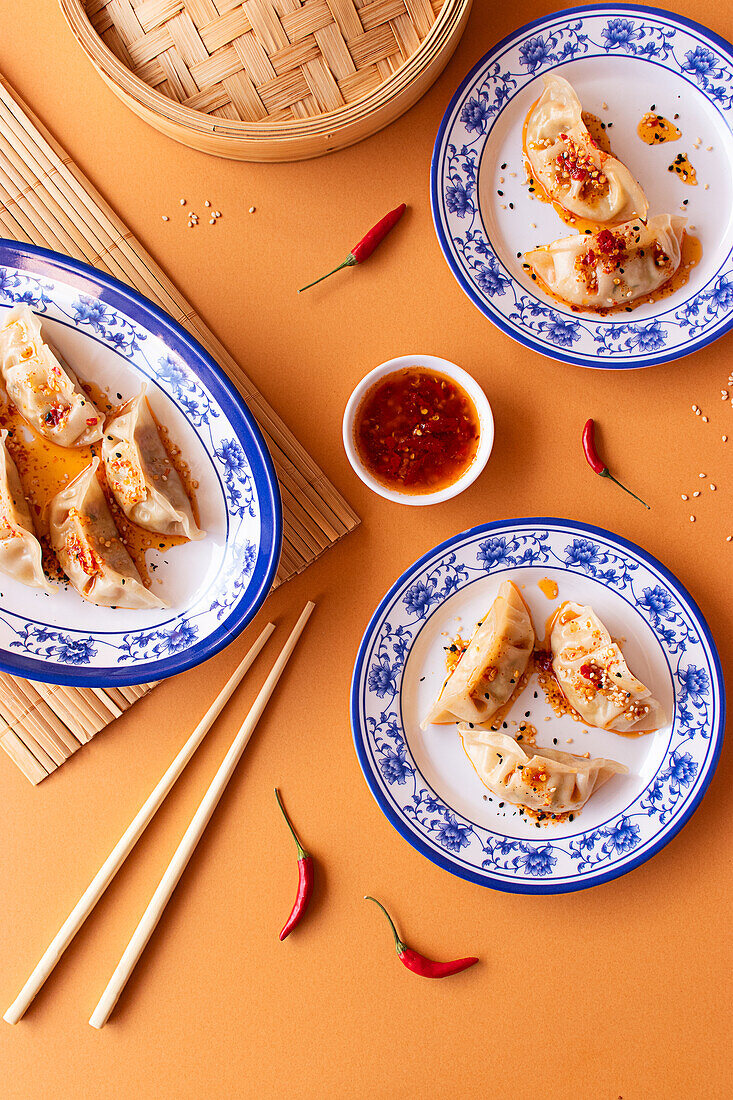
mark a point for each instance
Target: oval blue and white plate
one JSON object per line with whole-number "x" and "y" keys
{"x": 622, "y": 59}
{"x": 116, "y": 339}
{"x": 423, "y": 781}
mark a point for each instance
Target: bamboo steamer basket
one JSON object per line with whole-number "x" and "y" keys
{"x": 268, "y": 80}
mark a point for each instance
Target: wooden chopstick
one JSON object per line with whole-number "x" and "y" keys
{"x": 192, "y": 835}
{"x": 127, "y": 841}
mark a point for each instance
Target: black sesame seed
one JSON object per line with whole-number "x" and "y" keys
{"x": 503, "y": 166}
{"x": 511, "y": 205}
{"x": 500, "y": 193}
{"x": 554, "y": 740}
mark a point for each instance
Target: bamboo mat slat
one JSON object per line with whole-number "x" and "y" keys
{"x": 46, "y": 200}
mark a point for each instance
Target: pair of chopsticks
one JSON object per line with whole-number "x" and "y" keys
{"x": 185, "y": 849}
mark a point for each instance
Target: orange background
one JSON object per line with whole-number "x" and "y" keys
{"x": 619, "y": 991}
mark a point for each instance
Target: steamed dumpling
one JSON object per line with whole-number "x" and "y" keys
{"x": 145, "y": 483}
{"x": 20, "y": 550}
{"x": 612, "y": 267}
{"x": 566, "y": 161}
{"x": 594, "y": 677}
{"x": 46, "y": 393}
{"x": 88, "y": 546}
{"x": 491, "y": 667}
{"x": 545, "y": 780}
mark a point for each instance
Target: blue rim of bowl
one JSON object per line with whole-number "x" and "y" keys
{"x": 445, "y": 862}
{"x": 126, "y": 300}
{"x": 484, "y": 307}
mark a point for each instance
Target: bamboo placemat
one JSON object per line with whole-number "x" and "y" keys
{"x": 46, "y": 200}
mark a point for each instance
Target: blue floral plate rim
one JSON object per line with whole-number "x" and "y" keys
{"x": 102, "y": 287}
{"x": 713, "y": 680}
{"x": 626, "y": 361}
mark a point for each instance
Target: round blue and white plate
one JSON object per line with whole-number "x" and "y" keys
{"x": 117, "y": 340}
{"x": 424, "y": 782}
{"x": 622, "y": 60}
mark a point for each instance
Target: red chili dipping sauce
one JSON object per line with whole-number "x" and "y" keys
{"x": 416, "y": 431}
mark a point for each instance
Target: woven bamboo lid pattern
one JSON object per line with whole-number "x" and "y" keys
{"x": 215, "y": 73}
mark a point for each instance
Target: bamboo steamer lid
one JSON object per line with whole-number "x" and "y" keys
{"x": 268, "y": 80}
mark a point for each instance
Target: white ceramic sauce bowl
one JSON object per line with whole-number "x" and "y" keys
{"x": 463, "y": 379}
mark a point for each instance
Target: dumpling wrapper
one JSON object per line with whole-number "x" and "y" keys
{"x": 89, "y": 549}
{"x": 594, "y": 677}
{"x": 613, "y": 267}
{"x": 46, "y": 393}
{"x": 575, "y": 173}
{"x": 20, "y": 551}
{"x": 541, "y": 779}
{"x": 491, "y": 667}
{"x": 144, "y": 481}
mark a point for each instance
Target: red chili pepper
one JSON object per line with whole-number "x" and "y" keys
{"x": 305, "y": 878}
{"x": 363, "y": 250}
{"x": 418, "y": 963}
{"x": 597, "y": 464}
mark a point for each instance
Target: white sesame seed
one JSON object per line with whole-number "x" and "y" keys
{"x": 706, "y": 420}
{"x": 165, "y": 218}
{"x": 729, "y": 538}
{"x": 212, "y": 221}
{"x": 706, "y": 187}
{"x": 217, "y": 213}
{"x": 702, "y": 475}
{"x": 696, "y": 493}
{"x": 692, "y": 519}
{"x": 182, "y": 202}
{"x": 533, "y": 225}
{"x": 694, "y": 408}
{"x": 501, "y": 179}
{"x": 713, "y": 487}
{"x": 724, "y": 438}
{"x": 685, "y": 496}
{"x": 207, "y": 203}
{"x": 568, "y": 741}
{"x": 252, "y": 209}
{"x": 697, "y": 412}
{"x": 708, "y": 148}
